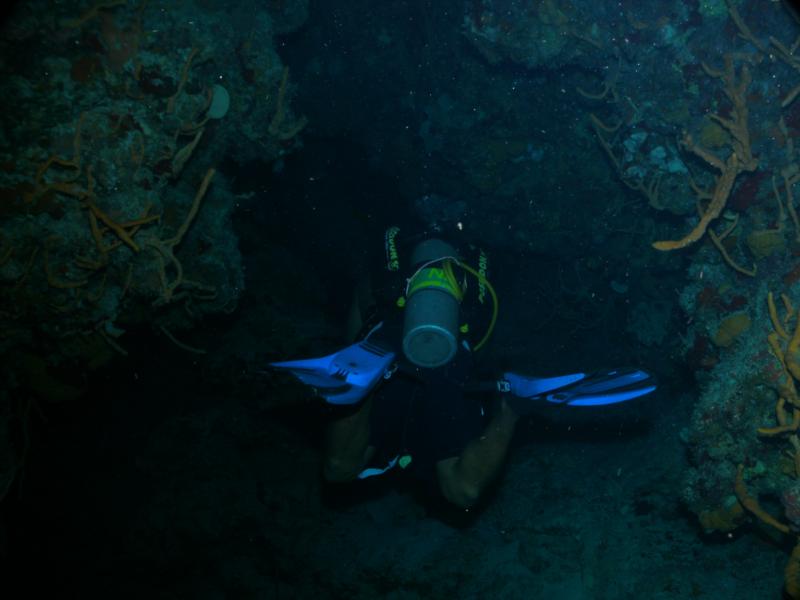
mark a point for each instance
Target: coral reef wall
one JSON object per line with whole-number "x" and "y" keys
{"x": 113, "y": 215}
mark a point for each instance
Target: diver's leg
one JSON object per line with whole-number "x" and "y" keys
{"x": 462, "y": 479}
{"x": 347, "y": 447}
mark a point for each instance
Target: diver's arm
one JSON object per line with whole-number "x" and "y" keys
{"x": 462, "y": 479}
{"x": 347, "y": 447}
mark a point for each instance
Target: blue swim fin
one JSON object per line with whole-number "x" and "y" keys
{"x": 346, "y": 376}
{"x": 580, "y": 389}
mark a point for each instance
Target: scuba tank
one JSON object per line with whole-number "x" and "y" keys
{"x": 433, "y": 297}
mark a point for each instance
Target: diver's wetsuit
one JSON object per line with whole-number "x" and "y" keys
{"x": 424, "y": 414}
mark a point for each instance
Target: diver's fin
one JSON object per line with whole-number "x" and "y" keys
{"x": 527, "y": 387}
{"x": 608, "y": 387}
{"x": 346, "y": 376}
{"x": 579, "y": 389}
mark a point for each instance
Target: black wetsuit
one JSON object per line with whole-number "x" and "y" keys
{"x": 424, "y": 414}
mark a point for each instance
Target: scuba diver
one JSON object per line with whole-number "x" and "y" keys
{"x": 406, "y": 396}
